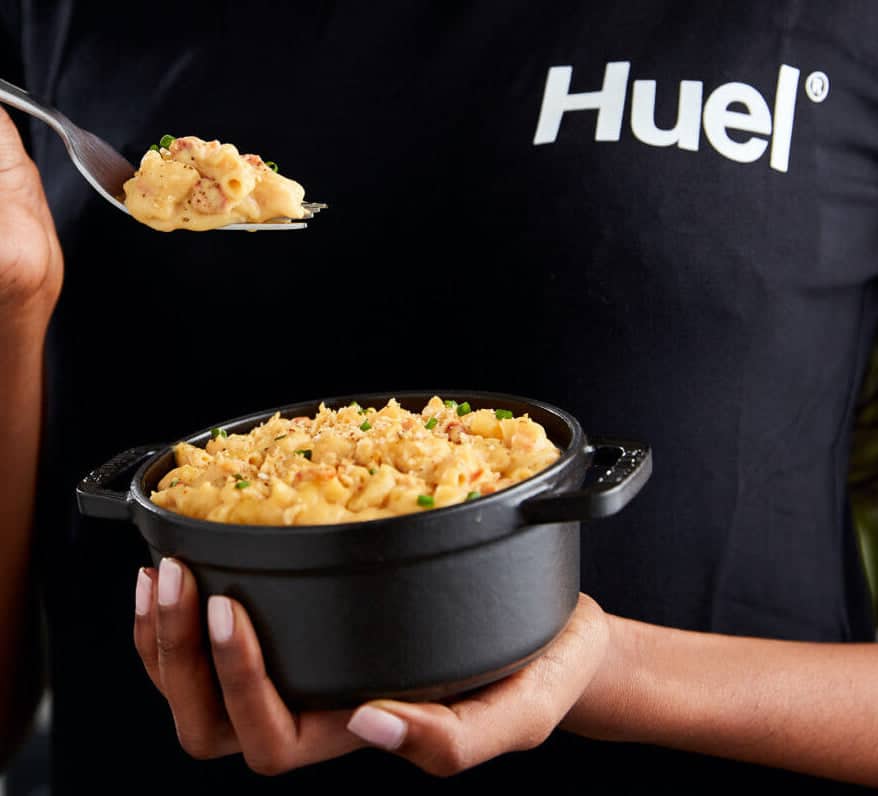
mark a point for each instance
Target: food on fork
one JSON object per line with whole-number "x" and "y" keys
{"x": 188, "y": 183}
{"x": 355, "y": 463}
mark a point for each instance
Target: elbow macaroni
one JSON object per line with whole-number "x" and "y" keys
{"x": 199, "y": 185}
{"x": 353, "y": 464}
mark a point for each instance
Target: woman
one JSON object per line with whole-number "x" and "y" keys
{"x": 658, "y": 217}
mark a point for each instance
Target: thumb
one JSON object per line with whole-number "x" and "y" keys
{"x": 19, "y": 177}
{"x": 31, "y": 269}
{"x": 431, "y": 736}
{"x": 511, "y": 715}
{"x": 13, "y": 157}
{"x": 444, "y": 740}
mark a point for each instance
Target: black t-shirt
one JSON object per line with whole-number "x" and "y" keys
{"x": 660, "y": 216}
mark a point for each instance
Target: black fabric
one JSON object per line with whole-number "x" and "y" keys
{"x": 11, "y": 67}
{"x": 720, "y": 310}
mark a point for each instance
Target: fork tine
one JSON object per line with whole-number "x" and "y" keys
{"x": 266, "y": 226}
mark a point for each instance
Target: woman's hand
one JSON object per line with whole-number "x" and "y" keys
{"x": 514, "y": 714}
{"x": 247, "y": 715}
{"x": 30, "y": 281}
{"x": 30, "y": 256}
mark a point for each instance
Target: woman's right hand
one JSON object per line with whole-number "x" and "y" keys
{"x": 30, "y": 282}
{"x": 30, "y": 256}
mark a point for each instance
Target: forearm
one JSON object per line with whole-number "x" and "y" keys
{"x": 802, "y": 706}
{"x": 21, "y": 376}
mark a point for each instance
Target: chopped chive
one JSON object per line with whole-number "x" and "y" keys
{"x": 306, "y": 452}
{"x": 473, "y": 495}
{"x": 431, "y": 423}
{"x": 242, "y": 484}
{"x": 450, "y": 404}
{"x": 238, "y": 477}
{"x": 464, "y": 408}
{"x": 218, "y": 432}
{"x": 167, "y": 140}
{"x": 503, "y": 414}
{"x": 365, "y": 425}
{"x": 372, "y": 471}
{"x": 279, "y": 436}
{"x": 425, "y": 500}
{"x": 272, "y": 165}
{"x": 154, "y": 148}
{"x": 355, "y": 405}
{"x": 174, "y": 482}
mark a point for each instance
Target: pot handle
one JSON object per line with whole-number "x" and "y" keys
{"x": 627, "y": 466}
{"x": 94, "y": 496}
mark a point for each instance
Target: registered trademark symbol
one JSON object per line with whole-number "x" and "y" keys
{"x": 817, "y": 86}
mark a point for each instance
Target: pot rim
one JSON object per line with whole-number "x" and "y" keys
{"x": 540, "y": 482}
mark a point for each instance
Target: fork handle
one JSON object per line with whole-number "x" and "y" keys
{"x": 11, "y": 94}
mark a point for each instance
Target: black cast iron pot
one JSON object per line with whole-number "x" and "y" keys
{"x": 420, "y": 606}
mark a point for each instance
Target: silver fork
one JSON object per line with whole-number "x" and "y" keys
{"x": 104, "y": 168}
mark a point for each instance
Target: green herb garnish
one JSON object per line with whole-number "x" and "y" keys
{"x": 431, "y": 423}
{"x": 473, "y": 495}
{"x": 174, "y": 483}
{"x": 464, "y": 409}
{"x": 154, "y": 148}
{"x": 218, "y": 432}
{"x": 450, "y": 404}
{"x": 503, "y": 414}
{"x": 272, "y": 165}
{"x": 279, "y": 436}
{"x": 238, "y": 477}
{"x": 372, "y": 471}
{"x": 365, "y": 425}
{"x": 425, "y": 500}
{"x": 242, "y": 484}
{"x": 167, "y": 140}
{"x": 306, "y": 452}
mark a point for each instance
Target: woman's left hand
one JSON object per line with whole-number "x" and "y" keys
{"x": 515, "y": 714}
{"x": 240, "y": 711}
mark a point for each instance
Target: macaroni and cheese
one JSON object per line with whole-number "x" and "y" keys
{"x": 354, "y": 463}
{"x": 192, "y": 184}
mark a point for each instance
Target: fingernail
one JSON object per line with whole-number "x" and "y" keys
{"x": 170, "y": 581}
{"x": 220, "y": 619}
{"x": 143, "y": 593}
{"x": 378, "y": 727}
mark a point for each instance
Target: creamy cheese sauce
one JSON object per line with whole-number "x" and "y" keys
{"x": 355, "y": 463}
{"x": 200, "y": 185}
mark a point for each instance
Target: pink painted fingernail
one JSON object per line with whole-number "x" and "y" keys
{"x": 378, "y": 727}
{"x": 220, "y": 618}
{"x": 143, "y": 593}
{"x": 170, "y": 581}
